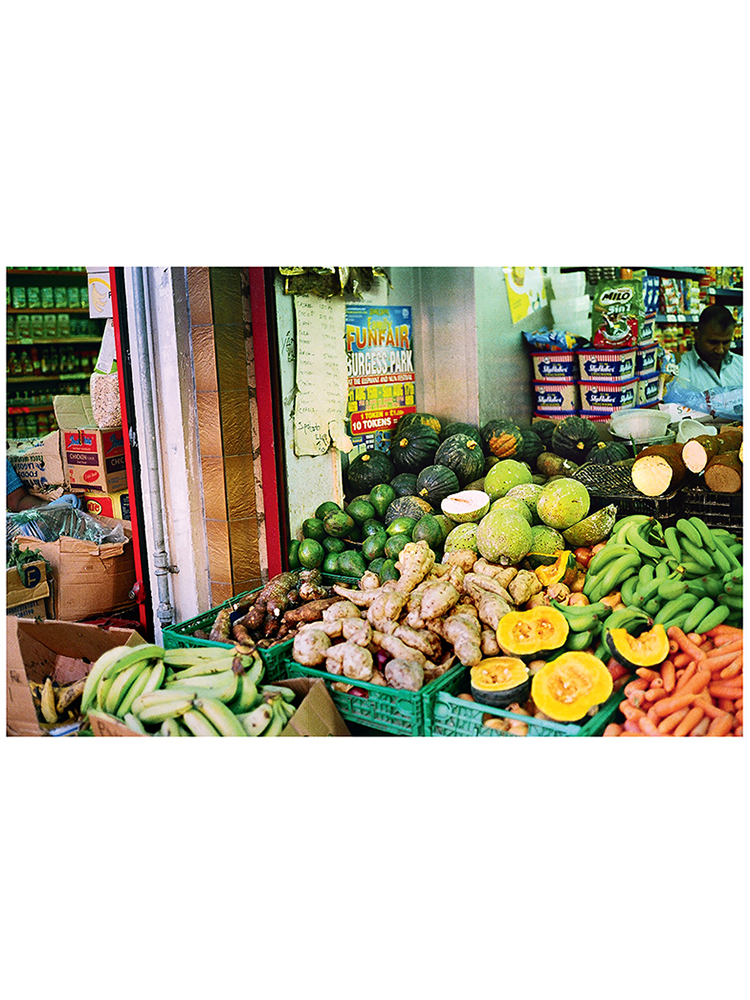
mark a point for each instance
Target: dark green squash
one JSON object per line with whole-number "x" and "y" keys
{"x": 574, "y": 437}
{"x": 500, "y": 681}
{"x": 531, "y": 448}
{"x": 414, "y": 507}
{"x": 458, "y": 427}
{"x": 404, "y": 484}
{"x": 607, "y": 452}
{"x": 369, "y": 469}
{"x": 463, "y": 455}
{"x": 502, "y": 438}
{"x": 409, "y": 419}
{"x": 544, "y": 428}
{"x": 435, "y": 483}
{"x": 414, "y": 448}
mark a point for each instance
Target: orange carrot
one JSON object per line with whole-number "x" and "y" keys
{"x": 682, "y": 659}
{"x": 725, "y": 689}
{"x": 613, "y": 729}
{"x": 654, "y": 694}
{"x": 684, "y": 643}
{"x": 631, "y": 726}
{"x": 733, "y": 670}
{"x": 711, "y": 710}
{"x": 667, "y": 674}
{"x": 726, "y": 704}
{"x": 695, "y": 637}
{"x": 728, "y": 647}
{"x": 673, "y": 647}
{"x": 647, "y": 674}
{"x": 666, "y": 726}
{"x": 689, "y": 722}
{"x": 724, "y": 630}
{"x": 686, "y": 675}
{"x": 639, "y": 684}
{"x": 632, "y": 734}
{"x": 718, "y": 662}
{"x": 738, "y": 716}
{"x": 702, "y": 727}
{"x": 631, "y": 711}
{"x": 738, "y": 703}
{"x": 648, "y": 728}
{"x": 720, "y": 726}
{"x": 738, "y": 731}
{"x": 666, "y": 706}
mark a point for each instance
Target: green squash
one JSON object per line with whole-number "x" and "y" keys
{"x": 409, "y": 419}
{"x": 607, "y": 452}
{"x": 435, "y": 483}
{"x": 414, "y": 507}
{"x": 463, "y": 455}
{"x": 404, "y": 485}
{"x": 414, "y": 448}
{"x": 574, "y": 437}
{"x": 458, "y": 427}
{"x": 531, "y": 448}
{"x": 502, "y": 437}
{"x": 369, "y": 469}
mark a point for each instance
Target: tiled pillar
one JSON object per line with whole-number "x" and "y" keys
{"x": 224, "y": 385}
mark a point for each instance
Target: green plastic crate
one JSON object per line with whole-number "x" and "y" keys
{"x": 448, "y": 715}
{"x": 401, "y": 713}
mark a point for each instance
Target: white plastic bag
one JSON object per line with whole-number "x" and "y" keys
{"x": 104, "y": 383}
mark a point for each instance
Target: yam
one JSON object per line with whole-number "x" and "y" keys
{"x": 730, "y": 439}
{"x": 698, "y": 452}
{"x": 724, "y": 473}
{"x": 658, "y": 469}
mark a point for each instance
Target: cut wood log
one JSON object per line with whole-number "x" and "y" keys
{"x": 698, "y": 452}
{"x": 724, "y": 473}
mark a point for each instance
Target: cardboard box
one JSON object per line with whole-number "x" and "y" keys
{"x": 63, "y": 651}
{"x": 38, "y": 463}
{"x": 100, "y": 292}
{"x": 93, "y": 459}
{"x": 316, "y": 713}
{"x": 88, "y": 579}
{"x": 108, "y": 504}
{"x": 26, "y": 587}
{"x": 33, "y": 609}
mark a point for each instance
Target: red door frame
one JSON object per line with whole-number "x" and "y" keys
{"x": 133, "y": 487}
{"x": 269, "y": 418}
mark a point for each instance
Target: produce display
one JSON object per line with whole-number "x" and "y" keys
{"x": 205, "y": 691}
{"x": 55, "y": 703}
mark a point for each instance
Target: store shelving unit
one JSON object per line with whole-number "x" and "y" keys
{"x": 33, "y": 389}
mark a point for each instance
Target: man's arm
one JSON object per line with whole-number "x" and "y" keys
{"x": 20, "y": 499}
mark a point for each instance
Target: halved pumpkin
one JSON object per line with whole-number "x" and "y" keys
{"x": 562, "y": 570}
{"x": 528, "y": 633}
{"x": 500, "y": 681}
{"x": 648, "y": 649}
{"x": 567, "y": 687}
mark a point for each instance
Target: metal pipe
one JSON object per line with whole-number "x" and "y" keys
{"x": 147, "y": 443}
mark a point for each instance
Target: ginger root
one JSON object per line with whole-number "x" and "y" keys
{"x": 414, "y": 562}
{"x": 351, "y": 660}
{"x": 342, "y": 609}
{"x": 524, "y": 586}
{"x": 462, "y": 630}
{"x": 310, "y": 647}
{"x": 384, "y": 611}
{"x": 490, "y": 606}
{"x": 398, "y": 648}
{"x": 422, "y": 639}
{"x": 356, "y": 630}
{"x": 437, "y": 600}
{"x": 464, "y": 558}
{"x": 503, "y": 574}
{"x": 489, "y": 643}
{"x": 404, "y": 675}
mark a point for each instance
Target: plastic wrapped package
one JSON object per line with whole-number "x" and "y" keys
{"x": 55, "y": 520}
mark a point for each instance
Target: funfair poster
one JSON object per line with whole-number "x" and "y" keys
{"x": 380, "y": 369}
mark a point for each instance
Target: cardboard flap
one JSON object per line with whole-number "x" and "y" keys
{"x": 74, "y": 412}
{"x": 317, "y": 714}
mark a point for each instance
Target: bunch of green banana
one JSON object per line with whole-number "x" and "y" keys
{"x": 200, "y": 691}
{"x": 688, "y": 575}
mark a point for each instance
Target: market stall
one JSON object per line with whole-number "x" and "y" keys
{"x": 574, "y": 573}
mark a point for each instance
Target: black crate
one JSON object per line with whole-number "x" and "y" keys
{"x": 613, "y": 484}
{"x": 717, "y": 510}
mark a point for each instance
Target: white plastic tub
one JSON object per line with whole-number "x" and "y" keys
{"x": 569, "y": 284}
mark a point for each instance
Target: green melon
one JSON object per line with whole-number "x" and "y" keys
{"x": 592, "y": 529}
{"x": 467, "y": 505}
{"x": 503, "y": 476}
{"x": 503, "y": 537}
{"x": 446, "y": 524}
{"x": 463, "y": 536}
{"x": 427, "y": 529}
{"x": 513, "y": 503}
{"x": 545, "y": 541}
{"x": 562, "y": 503}
{"x": 529, "y": 493}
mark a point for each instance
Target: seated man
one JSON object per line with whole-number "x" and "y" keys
{"x": 710, "y": 365}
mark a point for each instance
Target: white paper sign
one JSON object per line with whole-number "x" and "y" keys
{"x": 322, "y": 390}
